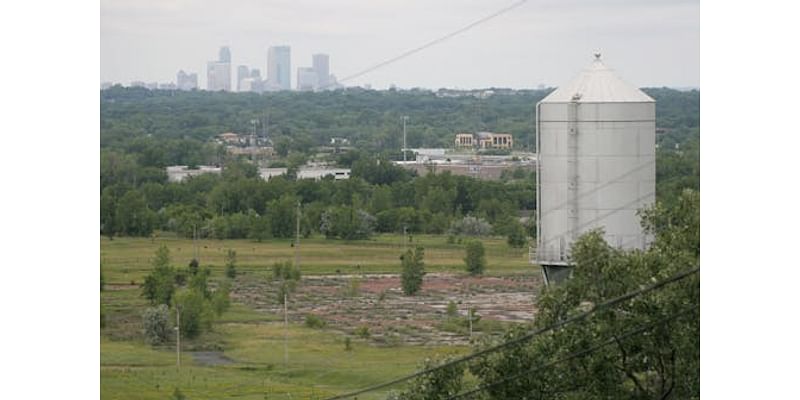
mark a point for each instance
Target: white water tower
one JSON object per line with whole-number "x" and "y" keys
{"x": 595, "y": 139}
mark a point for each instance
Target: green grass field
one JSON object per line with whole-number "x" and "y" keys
{"x": 253, "y": 341}
{"x": 128, "y": 259}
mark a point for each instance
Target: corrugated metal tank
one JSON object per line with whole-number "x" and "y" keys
{"x": 596, "y": 163}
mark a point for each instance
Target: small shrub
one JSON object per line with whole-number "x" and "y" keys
{"x": 452, "y": 309}
{"x": 196, "y": 315}
{"x": 413, "y": 269}
{"x": 475, "y": 259}
{"x": 517, "y": 237}
{"x": 220, "y": 300}
{"x": 382, "y": 296}
{"x": 194, "y": 266}
{"x": 177, "y": 395}
{"x": 181, "y": 276}
{"x": 314, "y": 322}
{"x": 353, "y": 288}
{"x": 362, "y": 332}
{"x": 348, "y": 344}
{"x": 230, "y": 264}
{"x": 159, "y": 285}
{"x": 155, "y": 321}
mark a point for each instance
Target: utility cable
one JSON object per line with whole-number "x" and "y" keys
{"x": 430, "y": 43}
{"x": 578, "y": 354}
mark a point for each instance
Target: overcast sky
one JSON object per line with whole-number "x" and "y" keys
{"x": 649, "y": 42}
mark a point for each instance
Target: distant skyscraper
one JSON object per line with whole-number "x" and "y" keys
{"x": 279, "y": 67}
{"x": 242, "y": 73}
{"x": 225, "y": 54}
{"x": 219, "y": 72}
{"x": 306, "y": 79}
{"x": 255, "y": 73}
{"x": 321, "y": 64}
{"x": 186, "y": 81}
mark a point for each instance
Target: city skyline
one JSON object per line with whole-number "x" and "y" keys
{"x": 652, "y": 43}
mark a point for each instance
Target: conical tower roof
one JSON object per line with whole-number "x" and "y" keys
{"x": 598, "y": 84}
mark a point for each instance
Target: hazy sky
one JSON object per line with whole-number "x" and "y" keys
{"x": 649, "y": 42}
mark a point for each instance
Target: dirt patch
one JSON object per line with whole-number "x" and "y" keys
{"x": 392, "y": 317}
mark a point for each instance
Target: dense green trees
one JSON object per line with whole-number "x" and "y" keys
{"x": 143, "y": 131}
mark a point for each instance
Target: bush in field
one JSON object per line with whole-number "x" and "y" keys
{"x": 220, "y": 299}
{"x": 194, "y": 266}
{"x": 413, "y": 269}
{"x": 230, "y": 264}
{"x": 362, "y": 332}
{"x": 452, "y": 309}
{"x": 155, "y": 321}
{"x": 177, "y": 395}
{"x": 199, "y": 282}
{"x": 314, "y": 322}
{"x": 353, "y": 288}
{"x": 196, "y": 314}
{"x": 476, "y": 257}
{"x": 471, "y": 226}
{"x": 286, "y": 276}
{"x": 517, "y": 236}
{"x": 159, "y": 285}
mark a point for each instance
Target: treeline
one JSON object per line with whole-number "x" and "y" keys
{"x": 173, "y": 127}
{"x": 380, "y": 197}
{"x": 143, "y": 131}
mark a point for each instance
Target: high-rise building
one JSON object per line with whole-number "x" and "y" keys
{"x": 225, "y": 54}
{"x": 186, "y": 81}
{"x": 255, "y": 73}
{"x": 219, "y": 72}
{"x": 279, "y": 67}
{"x": 321, "y": 65}
{"x": 219, "y": 76}
{"x": 306, "y": 79}
{"x": 242, "y": 73}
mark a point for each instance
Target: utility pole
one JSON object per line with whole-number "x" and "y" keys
{"x": 194, "y": 240}
{"x": 405, "y": 118}
{"x": 297, "y": 239}
{"x": 178, "y": 334}
{"x": 285, "y": 328}
{"x": 469, "y": 311}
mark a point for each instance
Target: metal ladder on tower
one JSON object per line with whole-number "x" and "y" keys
{"x": 572, "y": 169}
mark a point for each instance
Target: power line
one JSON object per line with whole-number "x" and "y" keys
{"x": 431, "y": 43}
{"x": 578, "y": 354}
{"x": 677, "y": 277}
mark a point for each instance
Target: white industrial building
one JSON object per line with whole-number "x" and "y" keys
{"x": 596, "y": 150}
{"x": 320, "y": 173}
{"x": 177, "y": 173}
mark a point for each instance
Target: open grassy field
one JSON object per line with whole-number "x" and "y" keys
{"x": 128, "y": 259}
{"x": 243, "y": 356}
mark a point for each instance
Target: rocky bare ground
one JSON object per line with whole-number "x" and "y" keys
{"x": 349, "y": 302}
